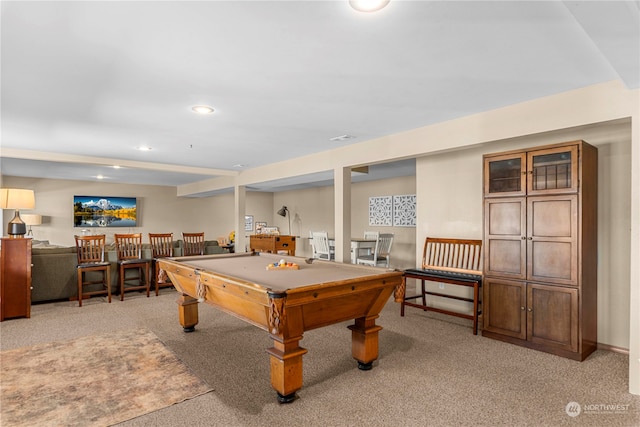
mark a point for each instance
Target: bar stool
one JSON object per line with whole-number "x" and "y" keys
{"x": 161, "y": 247}
{"x": 90, "y": 250}
{"x": 129, "y": 249}
{"x": 193, "y": 243}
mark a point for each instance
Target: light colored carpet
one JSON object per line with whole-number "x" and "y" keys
{"x": 92, "y": 381}
{"x": 432, "y": 371}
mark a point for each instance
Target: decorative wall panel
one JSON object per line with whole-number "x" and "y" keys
{"x": 404, "y": 210}
{"x": 381, "y": 210}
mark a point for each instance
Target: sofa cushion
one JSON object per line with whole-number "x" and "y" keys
{"x": 53, "y": 275}
{"x": 53, "y": 250}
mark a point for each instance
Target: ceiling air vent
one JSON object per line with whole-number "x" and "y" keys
{"x": 341, "y": 138}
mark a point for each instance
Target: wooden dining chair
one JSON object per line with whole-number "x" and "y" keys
{"x": 90, "y": 250}
{"x": 193, "y": 243}
{"x": 129, "y": 250}
{"x": 381, "y": 255}
{"x": 161, "y": 247}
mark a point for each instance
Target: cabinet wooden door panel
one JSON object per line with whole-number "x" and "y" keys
{"x": 551, "y": 261}
{"x": 505, "y": 244}
{"x": 552, "y": 316}
{"x": 552, "y": 254}
{"x": 505, "y": 258}
{"x": 504, "y": 308}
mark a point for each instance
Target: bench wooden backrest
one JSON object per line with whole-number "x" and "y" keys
{"x": 462, "y": 255}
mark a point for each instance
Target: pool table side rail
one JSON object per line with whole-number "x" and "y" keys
{"x": 328, "y": 302}
{"x": 227, "y": 294}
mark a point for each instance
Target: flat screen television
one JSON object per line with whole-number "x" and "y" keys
{"x": 100, "y": 211}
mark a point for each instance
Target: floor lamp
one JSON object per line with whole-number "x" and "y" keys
{"x": 283, "y": 212}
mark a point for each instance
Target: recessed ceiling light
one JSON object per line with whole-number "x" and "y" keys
{"x": 144, "y": 148}
{"x": 239, "y": 165}
{"x": 99, "y": 177}
{"x": 368, "y": 5}
{"x": 341, "y": 138}
{"x": 116, "y": 166}
{"x": 202, "y": 109}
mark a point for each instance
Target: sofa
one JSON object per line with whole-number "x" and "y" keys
{"x": 53, "y": 271}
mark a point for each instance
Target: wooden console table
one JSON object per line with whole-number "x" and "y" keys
{"x": 273, "y": 243}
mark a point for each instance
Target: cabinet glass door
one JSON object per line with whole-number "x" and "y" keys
{"x": 553, "y": 170}
{"x": 505, "y": 175}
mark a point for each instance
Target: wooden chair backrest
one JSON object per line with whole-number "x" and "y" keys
{"x": 90, "y": 249}
{"x": 128, "y": 246}
{"x": 161, "y": 244}
{"x": 462, "y": 255}
{"x": 193, "y": 243}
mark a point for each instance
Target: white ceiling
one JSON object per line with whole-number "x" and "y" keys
{"x": 85, "y": 83}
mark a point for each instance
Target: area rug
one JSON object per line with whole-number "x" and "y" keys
{"x": 92, "y": 381}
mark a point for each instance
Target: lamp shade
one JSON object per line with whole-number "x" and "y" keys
{"x": 283, "y": 211}
{"x": 32, "y": 219}
{"x": 17, "y": 198}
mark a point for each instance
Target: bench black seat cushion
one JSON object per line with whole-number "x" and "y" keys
{"x": 443, "y": 274}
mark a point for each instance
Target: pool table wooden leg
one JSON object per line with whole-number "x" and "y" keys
{"x": 364, "y": 341}
{"x": 188, "y": 312}
{"x": 286, "y": 367}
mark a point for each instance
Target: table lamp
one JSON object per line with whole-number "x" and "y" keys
{"x": 31, "y": 219}
{"x": 16, "y": 198}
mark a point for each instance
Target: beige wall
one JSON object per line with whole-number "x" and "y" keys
{"x": 461, "y": 216}
{"x": 448, "y": 186}
{"x": 160, "y": 211}
{"x": 312, "y": 210}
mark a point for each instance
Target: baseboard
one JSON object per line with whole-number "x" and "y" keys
{"x": 613, "y": 348}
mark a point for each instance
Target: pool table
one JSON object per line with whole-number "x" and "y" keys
{"x": 286, "y": 302}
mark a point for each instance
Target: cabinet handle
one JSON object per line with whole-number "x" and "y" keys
{"x": 522, "y": 308}
{"x": 530, "y": 238}
{"x": 524, "y": 237}
{"x": 530, "y": 310}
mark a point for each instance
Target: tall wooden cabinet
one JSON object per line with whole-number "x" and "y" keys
{"x": 540, "y": 248}
{"x": 15, "y": 278}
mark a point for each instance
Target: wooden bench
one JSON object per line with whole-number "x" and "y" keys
{"x": 452, "y": 261}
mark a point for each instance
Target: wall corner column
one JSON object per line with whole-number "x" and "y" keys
{"x": 240, "y": 202}
{"x": 342, "y": 195}
{"x": 634, "y": 279}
